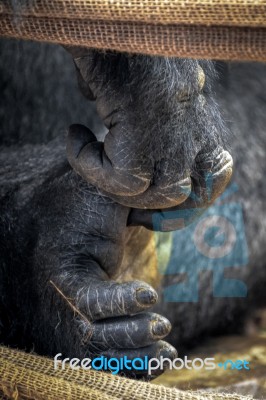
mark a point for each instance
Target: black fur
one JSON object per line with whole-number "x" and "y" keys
{"x": 56, "y": 227}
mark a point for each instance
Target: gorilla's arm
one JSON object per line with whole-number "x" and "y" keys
{"x": 66, "y": 249}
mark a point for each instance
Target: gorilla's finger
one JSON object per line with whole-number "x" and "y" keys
{"x": 131, "y": 332}
{"x": 78, "y": 137}
{"x": 211, "y": 175}
{"x": 102, "y": 300}
{"x": 161, "y": 194}
{"x": 128, "y": 186}
{"x": 90, "y": 161}
{"x": 156, "y": 350}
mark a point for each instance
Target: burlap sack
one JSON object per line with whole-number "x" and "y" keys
{"x": 217, "y": 29}
{"x": 26, "y": 376}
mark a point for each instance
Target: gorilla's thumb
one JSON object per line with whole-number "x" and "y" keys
{"x": 88, "y": 158}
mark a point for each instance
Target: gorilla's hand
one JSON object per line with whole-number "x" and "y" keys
{"x": 213, "y": 173}
{"x": 160, "y": 115}
{"x": 77, "y": 255}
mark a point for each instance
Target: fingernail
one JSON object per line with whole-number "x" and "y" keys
{"x": 161, "y": 328}
{"x": 168, "y": 352}
{"x": 146, "y": 297}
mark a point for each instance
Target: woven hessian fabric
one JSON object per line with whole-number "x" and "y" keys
{"x": 216, "y": 29}
{"x": 26, "y": 376}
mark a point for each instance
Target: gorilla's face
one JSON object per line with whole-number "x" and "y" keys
{"x": 165, "y": 132}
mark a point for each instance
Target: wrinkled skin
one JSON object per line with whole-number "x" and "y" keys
{"x": 75, "y": 236}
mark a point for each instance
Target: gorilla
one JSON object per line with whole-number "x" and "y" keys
{"x": 77, "y": 242}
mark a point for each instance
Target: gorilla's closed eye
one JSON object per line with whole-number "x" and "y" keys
{"x": 183, "y": 98}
